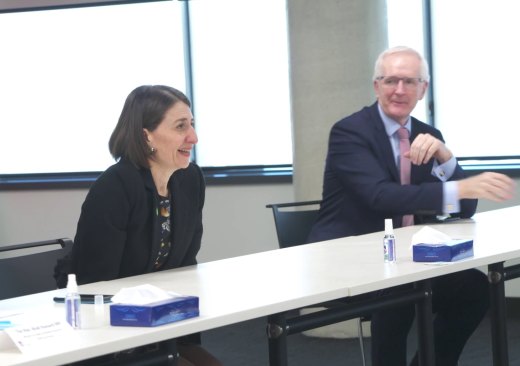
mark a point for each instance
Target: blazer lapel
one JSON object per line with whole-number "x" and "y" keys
{"x": 383, "y": 143}
{"x": 154, "y": 203}
{"x": 181, "y": 210}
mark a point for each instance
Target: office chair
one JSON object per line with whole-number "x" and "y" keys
{"x": 293, "y": 226}
{"x": 28, "y": 268}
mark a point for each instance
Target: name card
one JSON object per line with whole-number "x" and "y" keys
{"x": 35, "y": 336}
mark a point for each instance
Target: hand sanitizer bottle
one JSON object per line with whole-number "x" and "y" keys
{"x": 389, "y": 242}
{"x": 72, "y": 302}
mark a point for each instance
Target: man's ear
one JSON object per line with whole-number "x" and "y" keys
{"x": 424, "y": 88}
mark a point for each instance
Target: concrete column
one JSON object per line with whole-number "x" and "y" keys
{"x": 333, "y": 46}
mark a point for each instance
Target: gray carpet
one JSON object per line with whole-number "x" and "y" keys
{"x": 245, "y": 344}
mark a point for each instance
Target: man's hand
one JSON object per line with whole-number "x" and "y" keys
{"x": 424, "y": 147}
{"x": 492, "y": 186}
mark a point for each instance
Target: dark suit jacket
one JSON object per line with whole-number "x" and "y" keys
{"x": 361, "y": 185}
{"x": 114, "y": 237}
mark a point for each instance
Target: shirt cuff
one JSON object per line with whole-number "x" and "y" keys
{"x": 444, "y": 171}
{"x": 450, "y": 198}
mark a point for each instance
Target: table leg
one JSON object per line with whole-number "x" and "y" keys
{"x": 423, "y": 309}
{"x": 277, "y": 339}
{"x": 498, "y": 314}
{"x": 279, "y": 327}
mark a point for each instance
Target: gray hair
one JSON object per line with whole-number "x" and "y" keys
{"x": 378, "y": 69}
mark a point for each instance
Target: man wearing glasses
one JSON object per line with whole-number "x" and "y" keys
{"x": 383, "y": 163}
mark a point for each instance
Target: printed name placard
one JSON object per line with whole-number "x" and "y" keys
{"x": 34, "y": 336}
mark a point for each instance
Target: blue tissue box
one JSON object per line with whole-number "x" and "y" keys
{"x": 158, "y": 313}
{"x": 450, "y": 251}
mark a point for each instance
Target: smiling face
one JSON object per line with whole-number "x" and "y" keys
{"x": 173, "y": 139}
{"x": 399, "y": 99}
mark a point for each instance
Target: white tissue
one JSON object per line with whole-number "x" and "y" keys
{"x": 427, "y": 235}
{"x": 141, "y": 295}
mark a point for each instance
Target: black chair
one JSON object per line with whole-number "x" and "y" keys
{"x": 29, "y": 268}
{"x": 293, "y": 226}
{"x": 293, "y": 222}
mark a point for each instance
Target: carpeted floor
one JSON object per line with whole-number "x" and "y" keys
{"x": 245, "y": 344}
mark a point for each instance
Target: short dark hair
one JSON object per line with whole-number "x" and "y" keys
{"x": 144, "y": 107}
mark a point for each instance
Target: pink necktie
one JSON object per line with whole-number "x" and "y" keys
{"x": 405, "y": 165}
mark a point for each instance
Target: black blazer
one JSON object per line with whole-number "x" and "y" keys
{"x": 361, "y": 185}
{"x": 115, "y": 228}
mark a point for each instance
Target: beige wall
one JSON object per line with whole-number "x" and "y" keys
{"x": 236, "y": 221}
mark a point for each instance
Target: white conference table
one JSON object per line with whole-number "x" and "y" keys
{"x": 267, "y": 283}
{"x": 495, "y": 241}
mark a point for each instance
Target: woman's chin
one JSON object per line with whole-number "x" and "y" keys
{"x": 183, "y": 164}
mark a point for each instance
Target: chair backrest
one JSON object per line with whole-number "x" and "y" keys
{"x": 293, "y": 224}
{"x": 29, "y": 268}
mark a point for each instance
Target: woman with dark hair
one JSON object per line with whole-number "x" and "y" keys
{"x": 144, "y": 213}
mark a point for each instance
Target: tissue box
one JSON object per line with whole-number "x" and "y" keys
{"x": 449, "y": 251}
{"x": 157, "y": 313}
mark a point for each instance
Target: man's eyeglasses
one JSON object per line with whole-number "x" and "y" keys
{"x": 391, "y": 82}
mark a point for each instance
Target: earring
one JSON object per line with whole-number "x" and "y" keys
{"x": 152, "y": 150}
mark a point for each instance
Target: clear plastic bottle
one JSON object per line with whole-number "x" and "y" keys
{"x": 389, "y": 242}
{"x": 99, "y": 310}
{"x": 73, "y": 302}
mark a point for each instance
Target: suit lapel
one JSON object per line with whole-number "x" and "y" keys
{"x": 154, "y": 206}
{"x": 181, "y": 210}
{"x": 383, "y": 143}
